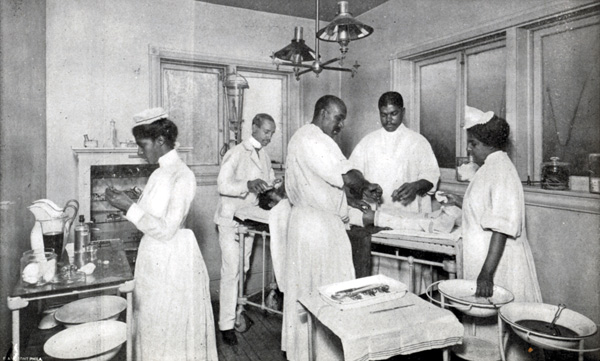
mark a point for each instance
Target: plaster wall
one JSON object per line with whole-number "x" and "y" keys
{"x": 22, "y": 138}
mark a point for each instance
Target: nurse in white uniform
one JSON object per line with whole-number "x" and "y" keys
{"x": 172, "y": 313}
{"x": 496, "y": 250}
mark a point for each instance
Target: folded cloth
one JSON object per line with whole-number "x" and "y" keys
{"x": 149, "y": 115}
{"x": 398, "y": 327}
{"x": 278, "y": 223}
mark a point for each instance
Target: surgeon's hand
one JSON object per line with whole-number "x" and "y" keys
{"x": 407, "y": 192}
{"x": 257, "y": 186}
{"x": 359, "y": 204}
{"x": 372, "y": 193}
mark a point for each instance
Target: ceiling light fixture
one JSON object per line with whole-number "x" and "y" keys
{"x": 342, "y": 29}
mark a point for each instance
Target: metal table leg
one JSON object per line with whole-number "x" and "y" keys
{"x": 127, "y": 288}
{"x": 501, "y": 338}
{"x": 15, "y": 304}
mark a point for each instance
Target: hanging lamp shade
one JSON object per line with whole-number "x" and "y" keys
{"x": 297, "y": 51}
{"x": 344, "y": 28}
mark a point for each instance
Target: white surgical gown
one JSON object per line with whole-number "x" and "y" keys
{"x": 391, "y": 159}
{"x": 318, "y": 248}
{"x": 172, "y": 314}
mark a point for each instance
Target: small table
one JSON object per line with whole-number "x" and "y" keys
{"x": 442, "y": 243}
{"x": 380, "y": 331}
{"x": 116, "y": 275}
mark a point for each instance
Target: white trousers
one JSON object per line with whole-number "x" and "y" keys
{"x": 230, "y": 273}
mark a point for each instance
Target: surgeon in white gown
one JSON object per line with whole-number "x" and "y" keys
{"x": 172, "y": 314}
{"x": 318, "y": 249}
{"x": 402, "y": 162}
{"x": 495, "y": 246}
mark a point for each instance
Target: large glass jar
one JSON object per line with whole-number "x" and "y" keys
{"x": 555, "y": 174}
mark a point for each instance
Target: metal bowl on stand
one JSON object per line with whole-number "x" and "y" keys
{"x": 547, "y": 334}
{"x": 460, "y": 294}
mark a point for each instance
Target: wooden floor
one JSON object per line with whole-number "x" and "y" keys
{"x": 262, "y": 341}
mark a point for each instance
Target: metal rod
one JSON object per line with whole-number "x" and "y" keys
{"x": 339, "y": 69}
{"x": 303, "y": 72}
{"x": 316, "y": 30}
{"x": 329, "y": 62}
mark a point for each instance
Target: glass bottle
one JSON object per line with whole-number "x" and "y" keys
{"x": 112, "y": 141}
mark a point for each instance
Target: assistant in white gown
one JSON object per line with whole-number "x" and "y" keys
{"x": 172, "y": 314}
{"x": 391, "y": 159}
{"x": 318, "y": 248}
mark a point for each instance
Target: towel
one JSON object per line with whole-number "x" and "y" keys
{"x": 278, "y": 224}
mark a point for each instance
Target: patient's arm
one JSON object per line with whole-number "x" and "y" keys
{"x": 441, "y": 221}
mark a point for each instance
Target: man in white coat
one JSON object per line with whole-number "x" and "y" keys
{"x": 318, "y": 249}
{"x": 246, "y": 171}
{"x": 401, "y": 161}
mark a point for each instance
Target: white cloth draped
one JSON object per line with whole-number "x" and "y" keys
{"x": 318, "y": 248}
{"x": 278, "y": 229}
{"x": 172, "y": 315}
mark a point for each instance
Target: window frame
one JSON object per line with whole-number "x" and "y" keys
{"x": 460, "y": 54}
{"x": 521, "y": 76}
{"x": 207, "y": 174}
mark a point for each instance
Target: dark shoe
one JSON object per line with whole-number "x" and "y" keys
{"x": 229, "y": 337}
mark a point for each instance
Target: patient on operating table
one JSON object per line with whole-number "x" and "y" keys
{"x": 441, "y": 221}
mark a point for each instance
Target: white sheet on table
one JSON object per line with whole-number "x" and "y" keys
{"x": 453, "y": 236}
{"x": 378, "y": 336}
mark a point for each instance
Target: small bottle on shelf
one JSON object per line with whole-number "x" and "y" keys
{"x": 113, "y": 140}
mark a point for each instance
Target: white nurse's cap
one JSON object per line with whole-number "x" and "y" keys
{"x": 474, "y": 116}
{"x": 149, "y": 115}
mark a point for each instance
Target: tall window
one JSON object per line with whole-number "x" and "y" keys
{"x": 190, "y": 87}
{"x": 267, "y": 94}
{"x": 543, "y": 77}
{"x": 446, "y": 83}
{"x": 567, "y": 65}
